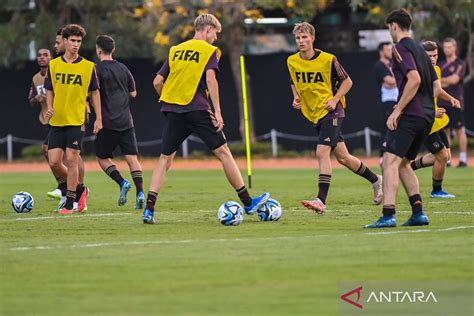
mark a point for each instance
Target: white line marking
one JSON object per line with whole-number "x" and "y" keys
{"x": 192, "y": 241}
{"x": 63, "y": 217}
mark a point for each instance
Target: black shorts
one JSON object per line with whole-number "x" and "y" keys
{"x": 436, "y": 142}
{"x": 456, "y": 117}
{"x": 407, "y": 139}
{"x": 107, "y": 141}
{"x": 46, "y": 128}
{"x": 66, "y": 137}
{"x": 178, "y": 126}
{"x": 329, "y": 132}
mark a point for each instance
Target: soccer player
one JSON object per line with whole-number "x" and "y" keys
{"x": 116, "y": 87}
{"x": 37, "y": 97}
{"x": 386, "y": 81}
{"x": 453, "y": 70}
{"x": 437, "y": 141}
{"x": 410, "y": 121}
{"x": 70, "y": 77}
{"x": 319, "y": 85}
{"x": 189, "y": 97}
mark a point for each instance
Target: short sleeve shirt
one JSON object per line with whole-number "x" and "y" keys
{"x": 93, "y": 85}
{"x": 458, "y": 67}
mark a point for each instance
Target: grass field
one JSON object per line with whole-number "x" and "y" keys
{"x": 107, "y": 262}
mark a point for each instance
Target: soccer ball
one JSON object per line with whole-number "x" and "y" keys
{"x": 22, "y": 202}
{"x": 270, "y": 211}
{"x": 230, "y": 213}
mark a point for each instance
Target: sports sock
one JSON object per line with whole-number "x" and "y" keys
{"x": 365, "y": 172}
{"x": 244, "y": 196}
{"x": 151, "y": 200}
{"x": 79, "y": 190}
{"x": 137, "y": 177}
{"x": 114, "y": 174}
{"x": 462, "y": 156}
{"x": 416, "y": 203}
{"x": 417, "y": 163}
{"x": 70, "y": 197}
{"x": 388, "y": 210}
{"x": 323, "y": 183}
{"x": 437, "y": 185}
{"x": 63, "y": 187}
{"x": 58, "y": 180}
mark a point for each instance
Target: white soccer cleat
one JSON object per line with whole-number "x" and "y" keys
{"x": 55, "y": 194}
{"x": 378, "y": 191}
{"x": 315, "y": 205}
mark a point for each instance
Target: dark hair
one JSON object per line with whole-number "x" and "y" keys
{"x": 382, "y": 44}
{"x": 43, "y": 48}
{"x": 430, "y": 46}
{"x": 401, "y": 17}
{"x": 73, "y": 30}
{"x": 106, "y": 43}
{"x": 60, "y": 32}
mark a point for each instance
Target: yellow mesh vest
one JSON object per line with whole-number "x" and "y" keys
{"x": 71, "y": 85}
{"x": 312, "y": 80}
{"x": 438, "y": 123}
{"x": 187, "y": 63}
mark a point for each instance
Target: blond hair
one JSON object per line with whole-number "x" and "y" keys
{"x": 304, "y": 27}
{"x": 207, "y": 19}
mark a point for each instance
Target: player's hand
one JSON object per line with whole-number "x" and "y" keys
{"x": 455, "y": 103}
{"x": 40, "y": 98}
{"x": 218, "y": 121}
{"x": 97, "y": 126}
{"x": 330, "y": 104}
{"x": 49, "y": 113}
{"x": 440, "y": 112}
{"x": 392, "y": 120}
{"x": 296, "y": 103}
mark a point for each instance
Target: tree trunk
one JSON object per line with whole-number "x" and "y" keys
{"x": 470, "y": 53}
{"x": 234, "y": 45}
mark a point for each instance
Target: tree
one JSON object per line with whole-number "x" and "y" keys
{"x": 434, "y": 19}
{"x": 171, "y": 22}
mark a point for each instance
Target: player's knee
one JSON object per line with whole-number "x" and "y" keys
{"x": 342, "y": 159}
{"x": 443, "y": 156}
{"x": 222, "y": 152}
{"x": 45, "y": 151}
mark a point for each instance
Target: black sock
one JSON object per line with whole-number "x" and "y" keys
{"x": 79, "y": 190}
{"x": 137, "y": 177}
{"x": 323, "y": 183}
{"x": 417, "y": 163}
{"x": 388, "y": 210}
{"x": 63, "y": 187}
{"x": 70, "y": 197}
{"x": 365, "y": 172}
{"x": 244, "y": 196}
{"x": 151, "y": 200}
{"x": 114, "y": 174}
{"x": 437, "y": 185}
{"x": 416, "y": 203}
{"x": 59, "y": 181}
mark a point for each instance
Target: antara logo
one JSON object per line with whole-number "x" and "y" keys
{"x": 186, "y": 55}
{"x": 69, "y": 79}
{"x": 309, "y": 77}
{"x": 345, "y": 297}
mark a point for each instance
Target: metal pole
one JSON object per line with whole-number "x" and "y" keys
{"x": 185, "y": 149}
{"x": 368, "y": 145}
{"x": 9, "y": 147}
{"x": 273, "y": 137}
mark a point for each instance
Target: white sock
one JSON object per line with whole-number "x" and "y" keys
{"x": 462, "y": 156}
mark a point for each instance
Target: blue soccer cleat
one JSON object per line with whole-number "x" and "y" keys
{"x": 384, "y": 221}
{"x": 140, "y": 201}
{"x": 419, "y": 219}
{"x": 125, "y": 186}
{"x": 148, "y": 216}
{"x": 257, "y": 202}
{"x": 441, "y": 194}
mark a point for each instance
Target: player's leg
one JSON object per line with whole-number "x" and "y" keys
{"x": 357, "y": 166}
{"x": 56, "y": 193}
{"x": 175, "y": 131}
{"x": 56, "y": 148}
{"x": 462, "y": 141}
{"x": 439, "y": 167}
{"x": 129, "y": 148}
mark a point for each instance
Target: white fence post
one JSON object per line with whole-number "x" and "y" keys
{"x": 273, "y": 137}
{"x": 368, "y": 144}
{"x": 185, "y": 149}
{"x": 9, "y": 147}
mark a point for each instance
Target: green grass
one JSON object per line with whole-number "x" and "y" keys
{"x": 189, "y": 264}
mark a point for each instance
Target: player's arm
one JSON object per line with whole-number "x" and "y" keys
{"x": 411, "y": 87}
{"x": 132, "y": 89}
{"x": 296, "y": 98}
{"x": 341, "y": 76}
{"x": 95, "y": 98}
{"x": 32, "y": 95}
{"x": 455, "y": 78}
{"x": 48, "y": 85}
{"x": 158, "y": 83}
{"x": 439, "y": 92}
{"x": 213, "y": 88}
{"x": 389, "y": 81}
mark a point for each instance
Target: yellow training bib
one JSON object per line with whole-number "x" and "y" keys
{"x": 187, "y": 62}
{"x": 312, "y": 80}
{"x": 438, "y": 123}
{"x": 71, "y": 86}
